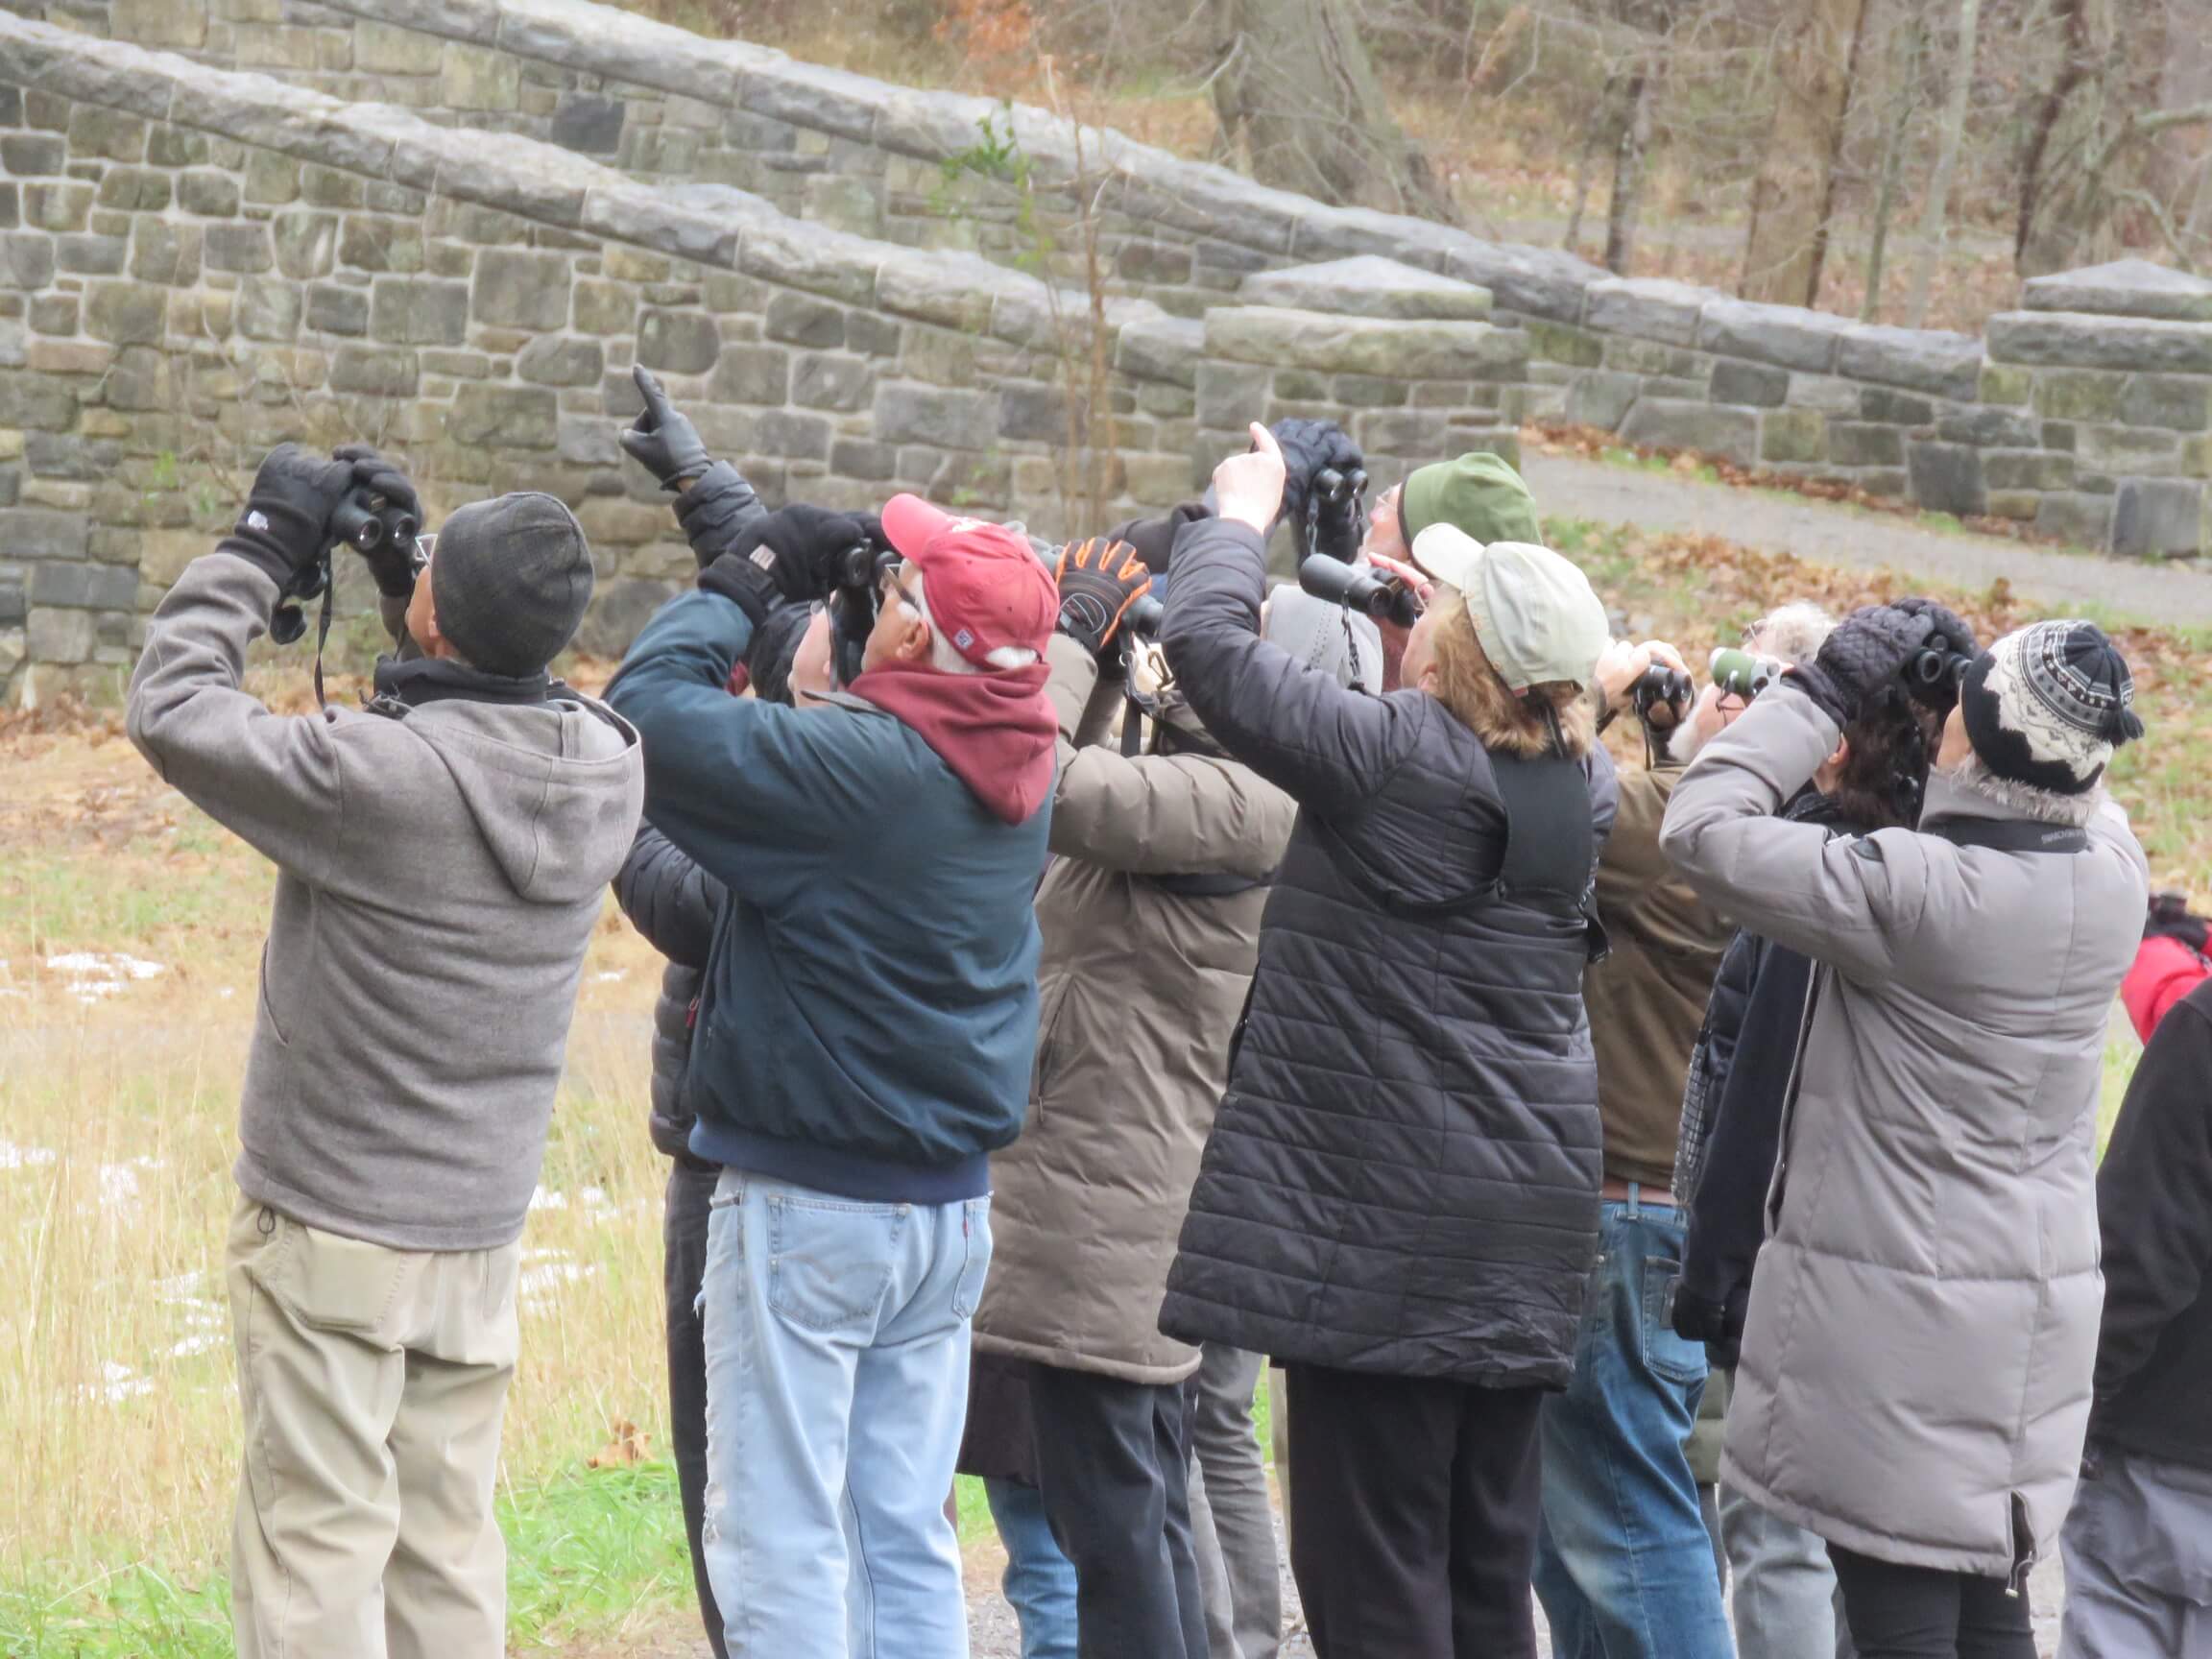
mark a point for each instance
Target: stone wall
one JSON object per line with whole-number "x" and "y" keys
{"x": 195, "y": 264}
{"x": 1943, "y": 419}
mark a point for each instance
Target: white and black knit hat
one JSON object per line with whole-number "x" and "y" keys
{"x": 2047, "y": 705}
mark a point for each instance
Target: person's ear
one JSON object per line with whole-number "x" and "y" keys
{"x": 913, "y": 642}
{"x": 1842, "y": 753}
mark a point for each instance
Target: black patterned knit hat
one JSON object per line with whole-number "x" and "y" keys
{"x": 2046, "y": 706}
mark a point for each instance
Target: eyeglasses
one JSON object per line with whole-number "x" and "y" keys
{"x": 898, "y": 588}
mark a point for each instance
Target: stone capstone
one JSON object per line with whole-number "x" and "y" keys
{"x": 2125, "y": 288}
{"x": 1367, "y": 285}
{"x": 1366, "y": 345}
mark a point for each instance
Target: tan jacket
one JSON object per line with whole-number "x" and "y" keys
{"x": 1646, "y": 999}
{"x": 1141, "y": 990}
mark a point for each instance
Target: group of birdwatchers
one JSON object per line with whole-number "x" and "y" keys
{"x": 1094, "y": 973}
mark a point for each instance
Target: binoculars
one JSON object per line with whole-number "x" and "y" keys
{"x": 1937, "y": 673}
{"x": 1144, "y": 616}
{"x": 1358, "y": 587}
{"x": 1660, "y": 683}
{"x": 366, "y": 521}
{"x": 1744, "y": 674}
{"x": 1331, "y": 487}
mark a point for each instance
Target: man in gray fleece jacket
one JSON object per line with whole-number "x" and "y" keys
{"x": 441, "y": 859}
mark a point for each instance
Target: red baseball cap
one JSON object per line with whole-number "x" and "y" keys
{"x": 986, "y": 590}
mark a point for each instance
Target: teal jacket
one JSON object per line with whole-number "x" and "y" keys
{"x": 869, "y": 1013}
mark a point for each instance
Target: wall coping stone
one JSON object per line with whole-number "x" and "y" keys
{"x": 2086, "y": 340}
{"x": 2123, "y": 288}
{"x": 1368, "y": 285}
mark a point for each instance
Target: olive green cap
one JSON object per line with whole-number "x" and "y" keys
{"x": 1478, "y": 495}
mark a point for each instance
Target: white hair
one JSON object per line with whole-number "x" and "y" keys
{"x": 2044, "y": 806}
{"x": 1794, "y": 633}
{"x": 944, "y": 656}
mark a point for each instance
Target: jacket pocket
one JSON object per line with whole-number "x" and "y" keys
{"x": 327, "y": 1282}
{"x": 829, "y": 1260}
{"x": 269, "y": 1018}
{"x": 1041, "y": 1071}
{"x": 976, "y": 1268}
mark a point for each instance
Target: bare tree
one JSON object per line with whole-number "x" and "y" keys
{"x": 1294, "y": 88}
{"x": 1795, "y": 193}
{"x": 1935, "y": 211}
{"x": 1906, "y": 41}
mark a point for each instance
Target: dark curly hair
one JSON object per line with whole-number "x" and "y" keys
{"x": 1891, "y": 743}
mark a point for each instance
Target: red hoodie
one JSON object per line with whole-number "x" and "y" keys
{"x": 996, "y": 731}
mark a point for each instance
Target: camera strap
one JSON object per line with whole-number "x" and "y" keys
{"x": 322, "y": 626}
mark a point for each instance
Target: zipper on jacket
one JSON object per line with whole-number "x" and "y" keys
{"x": 1779, "y": 1180}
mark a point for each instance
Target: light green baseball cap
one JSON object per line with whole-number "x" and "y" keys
{"x": 1537, "y": 616}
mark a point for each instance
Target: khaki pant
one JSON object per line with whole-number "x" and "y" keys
{"x": 372, "y": 1382}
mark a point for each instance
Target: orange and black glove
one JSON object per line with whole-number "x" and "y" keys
{"x": 1098, "y": 581}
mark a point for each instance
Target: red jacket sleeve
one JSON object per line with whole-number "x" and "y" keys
{"x": 2165, "y": 972}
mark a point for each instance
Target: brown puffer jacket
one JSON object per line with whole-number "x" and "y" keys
{"x": 1141, "y": 986}
{"x": 1646, "y": 999}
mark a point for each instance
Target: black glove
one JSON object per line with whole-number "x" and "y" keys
{"x": 662, "y": 440}
{"x": 794, "y": 556}
{"x": 1867, "y": 655}
{"x": 1309, "y": 448}
{"x": 286, "y": 528}
{"x": 393, "y": 562}
{"x": 1719, "y": 1325}
{"x": 1952, "y": 636}
{"x": 1098, "y": 581}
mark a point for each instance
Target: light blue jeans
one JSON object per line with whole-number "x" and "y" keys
{"x": 1623, "y": 1565}
{"x": 1040, "y": 1582}
{"x": 836, "y": 1336}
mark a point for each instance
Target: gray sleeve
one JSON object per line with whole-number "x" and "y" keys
{"x": 274, "y": 779}
{"x": 1852, "y": 902}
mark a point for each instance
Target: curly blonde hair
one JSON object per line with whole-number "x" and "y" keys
{"x": 1513, "y": 723}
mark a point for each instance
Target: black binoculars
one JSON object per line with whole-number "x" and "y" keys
{"x": 1659, "y": 683}
{"x": 1144, "y": 616}
{"x": 1937, "y": 671}
{"x": 1357, "y": 588}
{"x": 366, "y": 521}
{"x": 1333, "y": 488}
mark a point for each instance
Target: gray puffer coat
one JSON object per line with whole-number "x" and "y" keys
{"x": 1403, "y": 1177}
{"x": 1915, "y": 1373}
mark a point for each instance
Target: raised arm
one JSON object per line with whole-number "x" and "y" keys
{"x": 724, "y": 772}
{"x": 1153, "y": 814}
{"x": 1854, "y": 903}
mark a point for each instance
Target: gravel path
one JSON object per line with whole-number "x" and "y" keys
{"x": 1827, "y": 533}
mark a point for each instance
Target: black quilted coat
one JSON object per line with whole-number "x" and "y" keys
{"x": 1404, "y": 1175}
{"x": 672, "y": 902}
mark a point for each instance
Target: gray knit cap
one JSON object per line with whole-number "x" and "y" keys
{"x": 511, "y": 578}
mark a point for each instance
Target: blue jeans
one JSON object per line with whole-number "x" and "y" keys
{"x": 1623, "y": 1565}
{"x": 1040, "y": 1582}
{"x": 836, "y": 1336}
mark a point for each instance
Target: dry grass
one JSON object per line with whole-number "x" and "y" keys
{"x": 117, "y": 1114}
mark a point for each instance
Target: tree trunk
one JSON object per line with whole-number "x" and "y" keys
{"x": 1629, "y": 176}
{"x": 1795, "y": 193}
{"x": 1297, "y": 91}
{"x": 1935, "y": 212}
{"x": 1904, "y": 99}
{"x": 2061, "y": 210}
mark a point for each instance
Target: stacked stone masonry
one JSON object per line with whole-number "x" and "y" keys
{"x": 201, "y": 263}
{"x": 453, "y": 224}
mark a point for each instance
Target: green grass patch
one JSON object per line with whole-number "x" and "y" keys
{"x": 588, "y": 1555}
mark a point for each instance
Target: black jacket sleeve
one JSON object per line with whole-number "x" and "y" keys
{"x": 715, "y": 510}
{"x": 2152, "y": 1204}
{"x": 1729, "y": 1213}
{"x": 668, "y": 899}
{"x": 1322, "y": 744}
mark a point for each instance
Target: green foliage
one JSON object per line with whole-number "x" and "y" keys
{"x": 998, "y": 157}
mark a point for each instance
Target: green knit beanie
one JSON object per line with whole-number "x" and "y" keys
{"x": 1478, "y": 494}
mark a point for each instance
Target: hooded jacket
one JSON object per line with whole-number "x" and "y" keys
{"x": 1402, "y": 1176}
{"x": 438, "y": 872}
{"x": 870, "y": 1008}
{"x": 1141, "y": 979}
{"x": 1915, "y": 1376}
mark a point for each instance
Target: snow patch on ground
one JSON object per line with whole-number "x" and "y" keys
{"x": 97, "y": 974}
{"x": 14, "y": 1157}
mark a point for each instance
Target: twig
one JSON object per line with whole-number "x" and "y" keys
{"x": 2164, "y": 220}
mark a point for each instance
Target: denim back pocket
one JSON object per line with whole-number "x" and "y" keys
{"x": 1672, "y": 1357}
{"x": 829, "y": 1260}
{"x": 975, "y": 1266}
